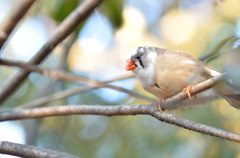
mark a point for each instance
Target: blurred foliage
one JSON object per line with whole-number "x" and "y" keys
{"x": 113, "y": 11}
{"x": 206, "y": 29}
{"x": 61, "y": 9}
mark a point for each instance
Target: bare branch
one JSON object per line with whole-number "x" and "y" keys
{"x": 170, "y": 103}
{"x": 12, "y": 20}
{"x": 28, "y": 151}
{"x": 63, "y": 94}
{"x": 63, "y": 30}
{"x": 64, "y": 76}
{"x": 118, "y": 111}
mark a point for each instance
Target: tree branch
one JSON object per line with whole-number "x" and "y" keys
{"x": 129, "y": 110}
{"x": 12, "y": 20}
{"x": 28, "y": 151}
{"x": 63, "y": 30}
{"x": 64, "y": 76}
{"x": 118, "y": 111}
{"x": 170, "y": 103}
{"x": 66, "y": 93}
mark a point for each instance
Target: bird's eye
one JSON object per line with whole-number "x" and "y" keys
{"x": 138, "y": 57}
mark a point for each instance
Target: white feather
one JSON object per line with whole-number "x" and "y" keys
{"x": 212, "y": 72}
{"x": 146, "y": 76}
{"x": 134, "y": 52}
{"x": 153, "y": 56}
{"x": 142, "y": 49}
{"x": 189, "y": 62}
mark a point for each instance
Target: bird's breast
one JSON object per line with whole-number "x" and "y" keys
{"x": 145, "y": 76}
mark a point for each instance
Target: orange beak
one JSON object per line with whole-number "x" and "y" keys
{"x": 130, "y": 65}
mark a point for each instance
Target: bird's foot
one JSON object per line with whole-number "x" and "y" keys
{"x": 188, "y": 91}
{"x": 158, "y": 104}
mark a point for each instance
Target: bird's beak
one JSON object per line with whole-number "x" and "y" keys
{"x": 130, "y": 65}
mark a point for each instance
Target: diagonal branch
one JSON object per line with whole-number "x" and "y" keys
{"x": 170, "y": 103}
{"x": 12, "y": 20}
{"x": 63, "y": 30}
{"x": 63, "y": 76}
{"x": 118, "y": 111}
{"x": 131, "y": 110}
{"x": 66, "y": 93}
{"x": 28, "y": 151}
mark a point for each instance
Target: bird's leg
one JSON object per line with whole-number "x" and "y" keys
{"x": 188, "y": 91}
{"x": 158, "y": 104}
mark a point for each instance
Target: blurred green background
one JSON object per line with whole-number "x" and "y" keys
{"x": 98, "y": 49}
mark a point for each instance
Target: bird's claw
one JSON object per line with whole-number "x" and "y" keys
{"x": 188, "y": 91}
{"x": 158, "y": 104}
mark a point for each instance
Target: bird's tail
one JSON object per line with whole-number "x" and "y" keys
{"x": 233, "y": 100}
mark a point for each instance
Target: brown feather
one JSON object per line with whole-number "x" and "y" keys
{"x": 170, "y": 67}
{"x": 170, "y": 71}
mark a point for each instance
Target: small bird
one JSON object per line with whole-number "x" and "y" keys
{"x": 164, "y": 73}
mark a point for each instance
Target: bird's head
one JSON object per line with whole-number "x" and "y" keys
{"x": 141, "y": 59}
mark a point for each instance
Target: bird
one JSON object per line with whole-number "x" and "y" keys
{"x": 166, "y": 72}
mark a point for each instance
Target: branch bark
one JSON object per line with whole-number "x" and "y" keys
{"x": 63, "y": 30}
{"x": 12, "y": 20}
{"x": 170, "y": 103}
{"x": 129, "y": 110}
{"x": 66, "y": 93}
{"x": 28, "y": 151}
{"x": 64, "y": 76}
{"x": 118, "y": 111}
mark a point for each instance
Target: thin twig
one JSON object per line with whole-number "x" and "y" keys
{"x": 12, "y": 20}
{"x": 62, "y": 31}
{"x": 118, "y": 111}
{"x": 215, "y": 53}
{"x": 63, "y": 94}
{"x": 64, "y": 76}
{"x": 28, "y": 151}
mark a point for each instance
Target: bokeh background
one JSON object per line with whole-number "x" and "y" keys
{"x": 98, "y": 49}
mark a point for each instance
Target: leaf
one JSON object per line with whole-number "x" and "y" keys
{"x": 62, "y": 8}
{"x": 112, "y": 9}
